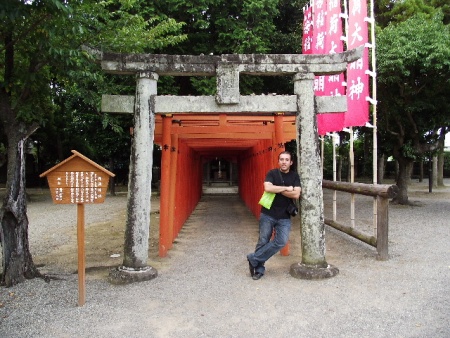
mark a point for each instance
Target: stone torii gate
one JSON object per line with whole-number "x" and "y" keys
{"x": 145, "y": 104}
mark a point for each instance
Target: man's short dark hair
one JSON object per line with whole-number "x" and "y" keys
{"x": 285, "y": 152}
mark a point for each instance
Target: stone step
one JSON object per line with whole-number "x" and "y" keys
{"x": 216, "y": 190}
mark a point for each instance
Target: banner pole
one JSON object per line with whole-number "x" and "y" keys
{"x": 374, "y": 113}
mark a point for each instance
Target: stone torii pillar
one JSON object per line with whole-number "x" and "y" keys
{"x": 135, "y": 262}
{"x": 313, "y": 265}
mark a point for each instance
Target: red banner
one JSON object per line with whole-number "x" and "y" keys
{"x": 357, "y": 79}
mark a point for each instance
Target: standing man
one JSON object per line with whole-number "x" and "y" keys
{"x": 286, "y": 185}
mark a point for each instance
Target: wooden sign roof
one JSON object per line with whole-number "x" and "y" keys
{"x": 77, "y": 179}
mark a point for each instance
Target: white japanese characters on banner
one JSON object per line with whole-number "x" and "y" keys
{"x": 357, "y": 79}
{"x": 319, "y": 24}
{"x": 307, "y": 31}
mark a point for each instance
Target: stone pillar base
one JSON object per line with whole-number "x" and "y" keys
{"x": 303, "y": 271}
{"x": 124, "y": 275}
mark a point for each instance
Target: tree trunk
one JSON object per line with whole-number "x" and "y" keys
{"x": 396, "y": 169}
{"x": 366, "y": 168}
{"x": 435, "y": 171}
{"x": 17, "y": 261}
{"x": 339, "y": 169}
{"x": 112, "y": 186}
{"x": 112, "y": 183}
{"x": 341, "y": 156}
{"x": 440, "y": 169}
{"x": 421, "y": 171}
{"x": 441, "y": 157}
{"x": 349, "y": 170}
{"x": 381, "y": 168}
{"x": 403, "y": 178}
{"x": 409, "y": 173}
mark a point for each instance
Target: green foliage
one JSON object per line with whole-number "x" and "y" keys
{"x": 49, "y": 80}
{"x": 414, "y": 47}
{"x": 224, "y": 27}
{"x": 328, "y": 158}
{"x": 413, "y": 71}
{"x": 413, "y": 86}
{"x": 341, "y": 151}
{"x": 248, "y": 28}
{"x": 388, "y": 11}
{"x": 26, "y": 33}
{"x": 408, "y": 151}
{"x": 204, "y": 85}
{"x": 132, "y": 31}
{"x": 287, "y": 37}
{"x": 444, "y": 6}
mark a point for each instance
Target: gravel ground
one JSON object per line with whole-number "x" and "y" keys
{"x": 204, "y": 289}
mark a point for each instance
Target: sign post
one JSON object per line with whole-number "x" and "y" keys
{"x": 81, "y": 255}
{"x": 78, "y": 180}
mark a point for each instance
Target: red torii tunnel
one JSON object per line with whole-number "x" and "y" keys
{"x": 188, "y": 142}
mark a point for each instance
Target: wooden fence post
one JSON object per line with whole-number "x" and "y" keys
{"x": 382, "y": 228}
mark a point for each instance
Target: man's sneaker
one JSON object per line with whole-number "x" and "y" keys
{"x": 257, "y": 275}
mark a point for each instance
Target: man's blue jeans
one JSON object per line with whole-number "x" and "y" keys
{"x": 265, "y": 248}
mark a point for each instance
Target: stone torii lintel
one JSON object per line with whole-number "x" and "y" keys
{"x": 263, "y": 104}
{"x": 207, "y": 65}
{"x": 227, "y": 67}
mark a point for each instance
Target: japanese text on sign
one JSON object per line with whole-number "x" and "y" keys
{"x": 83, "y": 187}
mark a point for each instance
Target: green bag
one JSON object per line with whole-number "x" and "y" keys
{"x": 267, "y": 199}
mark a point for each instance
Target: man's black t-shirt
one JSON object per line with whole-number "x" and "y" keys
{"x": 280, "y": 202}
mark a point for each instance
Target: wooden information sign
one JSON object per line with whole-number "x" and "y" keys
{"x": 78, "y": 180}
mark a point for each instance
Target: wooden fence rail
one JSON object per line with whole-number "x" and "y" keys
{"x": 382, "y": 192}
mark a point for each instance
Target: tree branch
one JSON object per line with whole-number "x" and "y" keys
{"x": 413, "y": 123}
